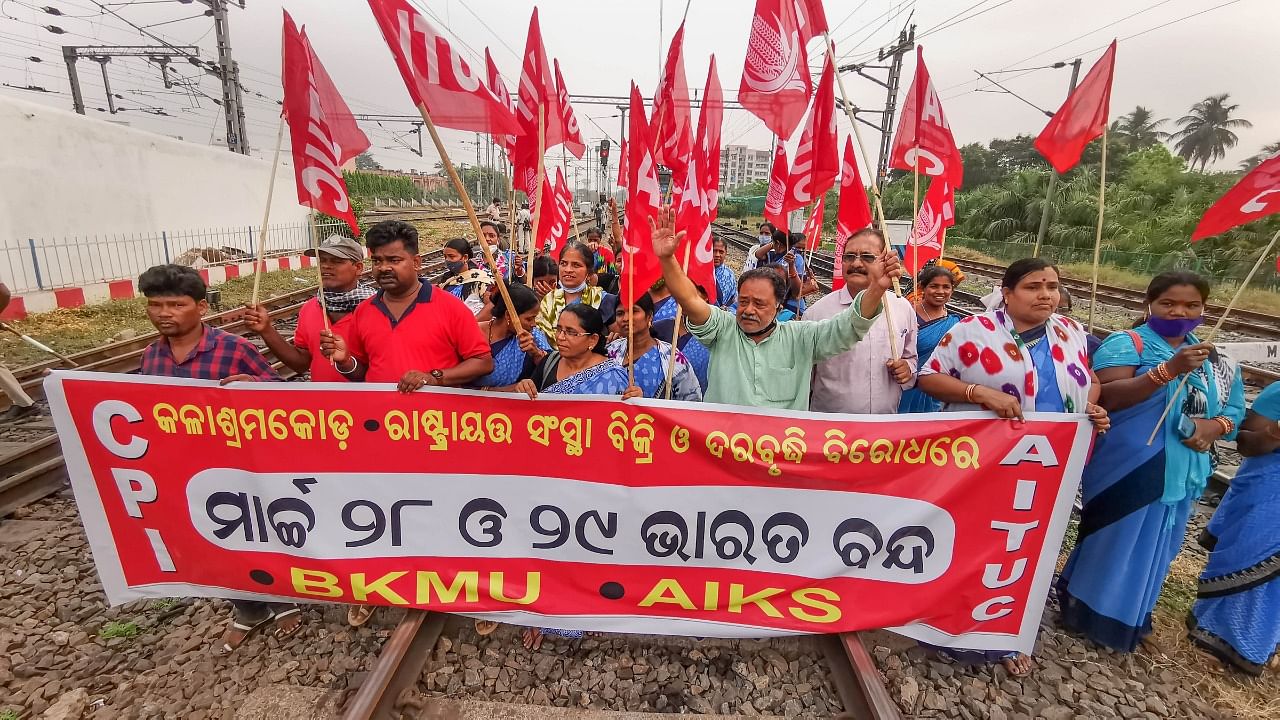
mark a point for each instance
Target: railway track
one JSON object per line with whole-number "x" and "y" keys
{"x": 405, "y": 653}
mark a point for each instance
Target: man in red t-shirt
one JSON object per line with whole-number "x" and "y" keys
{"x": 409, "y": 332}
{"x": 341, "y": 265}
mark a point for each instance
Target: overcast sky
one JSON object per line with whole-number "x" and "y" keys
{"x": 1231, "y": 46}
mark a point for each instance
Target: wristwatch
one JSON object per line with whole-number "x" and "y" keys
{"x": 438, "y": 375}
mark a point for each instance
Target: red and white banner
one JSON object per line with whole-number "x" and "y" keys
{"x": 776, "y": 197}
{"x": 644, "y": 197}
{"x": 578, "y": 512}
{"x": 322, "y": 131}
{"x": 572, "y": 135}
{"x": 813, "y": 225}
{"x": 854, "y": 213}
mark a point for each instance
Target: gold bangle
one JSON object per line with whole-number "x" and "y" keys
{"x": 968, "y": 392}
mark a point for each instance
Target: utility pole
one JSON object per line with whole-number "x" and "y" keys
{"x": 106, "y": 83}
{"x": 906, "y": 43}
{"x": 1047, "y": 211}
{"x": 229, "y": 73}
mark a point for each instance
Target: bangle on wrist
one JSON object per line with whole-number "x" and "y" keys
{"x": 1227, "y": 424}
{"x": 355, "y": 365}
{"x": 968, "y": 392}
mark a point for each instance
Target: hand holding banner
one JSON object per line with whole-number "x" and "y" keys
{"x": 584, "y": 513}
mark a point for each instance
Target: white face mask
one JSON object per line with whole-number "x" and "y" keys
{"x": 766, "y": 239}
{"x": 574, "y": 290}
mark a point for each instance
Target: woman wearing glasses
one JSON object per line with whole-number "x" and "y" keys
{"x": 577, "y": 367}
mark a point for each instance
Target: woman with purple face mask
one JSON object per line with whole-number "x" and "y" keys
{"x": 1138, "y": 497}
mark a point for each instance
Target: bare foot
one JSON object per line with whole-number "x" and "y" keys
{"x": 532, "y": 638}
{"x": 1019, "y": 665}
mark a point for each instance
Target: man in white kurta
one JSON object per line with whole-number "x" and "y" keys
{"x": 865, "y": 379}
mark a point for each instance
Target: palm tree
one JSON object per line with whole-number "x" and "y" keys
{"x": 1204, "y": 133}
{"x": 1140, "y": 129}
{"x": 1266, "y": 152}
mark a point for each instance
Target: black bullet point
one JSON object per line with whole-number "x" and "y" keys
{"x": 371, "y": 425}
{"x": 612, "y": 590}
{"x": 262, "y": 577}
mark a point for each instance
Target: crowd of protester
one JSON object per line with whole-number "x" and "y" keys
{"x": 861, "y": 349}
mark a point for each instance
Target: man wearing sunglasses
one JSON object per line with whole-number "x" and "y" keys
{"x": 866, "y": 378}
{"x": 755, "y": 360}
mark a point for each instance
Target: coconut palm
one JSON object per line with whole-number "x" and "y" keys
{"x": 1266, "y": 152}
{"x": 1140, "y": 128}
{"x": 1205, "y": 133}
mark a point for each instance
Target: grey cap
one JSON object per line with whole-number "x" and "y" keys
{"x": 339, "y": 246}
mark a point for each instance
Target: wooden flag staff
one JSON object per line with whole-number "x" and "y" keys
{"x": 564, "y": 161}
{"x": 631, "y": 291}
{"x": 1097, "y": 240}
{"x": 266, "y": 216}
{"x": 512, "y": 315}
{"x": 675, "y": 332}
{"x": 915, "y": 210}
{"x": 315, "y": 245}
{"x": 511, "y": 243}
{"x": 875, "y": 192}
{"x": 1266, "y": 253}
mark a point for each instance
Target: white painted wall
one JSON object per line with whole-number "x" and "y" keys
{"x": 66, "y": 178}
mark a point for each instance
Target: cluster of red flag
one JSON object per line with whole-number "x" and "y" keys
{"x": 775, "y": 86}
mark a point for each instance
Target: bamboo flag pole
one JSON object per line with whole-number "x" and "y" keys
{"x": 1097, "y": 241}
{"x": 511, "y": 243}
{"x": 915, "y": 211}
{"x": 537, "y": 197}
{"x": 875, "y": 193}
{"x": 512, "y": 315}
{"x": 808, "y": 262}
{"x": 37, "y": 344}
{"x": 1266, "y": 253}
{"x": 315, "y": 244}
{"x": 675, "y": 332}
{"x": 266, "y": 215}
{"x": 631, "y": 292}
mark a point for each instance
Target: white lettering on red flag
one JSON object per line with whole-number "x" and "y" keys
{"x": 924, "y": 138}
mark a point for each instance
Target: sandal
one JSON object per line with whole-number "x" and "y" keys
{"x": 358, "y": 615}
{"x": 485, "y": 627}
{"x": 532, "y": 638}
{"x": 284, "y": 633}
{"x": 1018, "y": 666}
{"x": 245, "y": 632}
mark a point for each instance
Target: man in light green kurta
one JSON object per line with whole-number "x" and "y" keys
{"x": 755, "y": 360}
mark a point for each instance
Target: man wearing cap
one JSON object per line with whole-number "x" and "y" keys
{"x": 341, "y": 265}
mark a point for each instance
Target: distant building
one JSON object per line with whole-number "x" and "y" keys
{"x": 426, "y": 183}
{"x": 740, "y": 165}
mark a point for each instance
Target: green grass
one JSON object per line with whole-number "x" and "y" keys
{"x": 120, "y": 629}
{"x": 162, "y": 604}
{"x": 9, "y": 715}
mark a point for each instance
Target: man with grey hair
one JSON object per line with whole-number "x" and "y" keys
{"x": 341, "y": 262}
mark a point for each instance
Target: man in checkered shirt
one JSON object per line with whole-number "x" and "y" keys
{"x": 188, "y": 348}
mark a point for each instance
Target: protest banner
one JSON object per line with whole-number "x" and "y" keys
{"x": 577, "y": 512}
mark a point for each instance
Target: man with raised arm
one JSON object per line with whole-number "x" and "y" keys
{"x": 756, "y": 361}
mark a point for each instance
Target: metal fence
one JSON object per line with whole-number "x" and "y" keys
{"x": 30, "y": 264}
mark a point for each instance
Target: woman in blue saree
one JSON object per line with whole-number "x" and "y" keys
{"x": 515, "y": 355}
{"x": 577, "y": 367}
{"x": 933, "y": 322}
{"x": 1137, "y": 497}
{"x": 1237, "y": 613}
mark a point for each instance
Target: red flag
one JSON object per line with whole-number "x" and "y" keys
{"x": 818, "y": 157}
{"x": 774, "y": 201}
{"x": 1081, "y": 118}
{"x": 572, "y": 135}
{"x": 1256, "y": 196}
{"x": 937, "y": 212}
{"x": 811, "y": 18}
{"x": 671, "y": 115}
{"x": 322, "y": 132}
{"x": 622, "y": 164}
{"x": 438, "y": 78}
{"x": 555, "y": 221}
{"x": 775, "y": 76}
{"x": 643, "y": 201}
{"x": 923, "y": 130}
{"x": 697, "y": 201}
{"x": 710, "y": 121}
{"x": 536, "y": 90}
{"x": 506, "y": 142}
{"x": 854, "y": 213}
{"x": 813, "y": 227}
